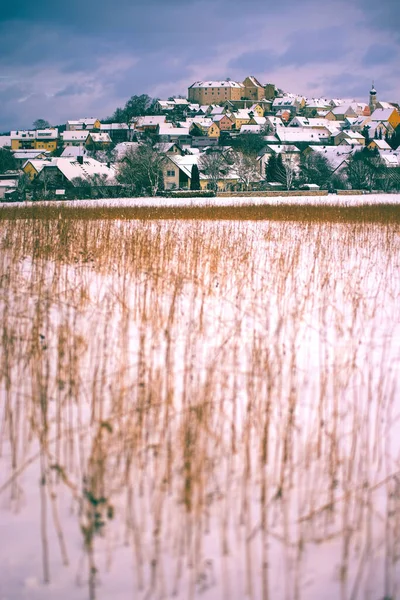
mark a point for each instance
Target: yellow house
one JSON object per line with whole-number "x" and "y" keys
{"x": 257, "y": 110}
{"x": 46, "y": 139}
{"x": 23, "y": 140}
{"x": 88, "y": 123}
{"x": 239, "y": 118}
{"x": 210, "y": 129}
{"x": 41, "y": 139}
{"x": 33, "y": 167}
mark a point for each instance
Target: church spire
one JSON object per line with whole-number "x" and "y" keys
{"x": 373, "y": 100}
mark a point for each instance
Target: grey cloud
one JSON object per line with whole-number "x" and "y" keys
{"x": 379, "y": 54}
{"x": 324, "y": 45}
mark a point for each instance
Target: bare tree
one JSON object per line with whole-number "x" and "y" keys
{"x": 214, "y": 166}
{"x": 246, "y": 168}
{"x": 141, "y": 170}
{"x": 286, "y": 170}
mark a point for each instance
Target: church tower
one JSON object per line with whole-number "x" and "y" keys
{"x": 373, "y": 100}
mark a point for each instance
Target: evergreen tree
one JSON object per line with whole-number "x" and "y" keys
{"x": 395, "y": 138}
{"x": 7, "y": 161}
{"x": 365, "y": 133}
{"x": 270, "y": 169}
{"x": 195, "y": 178}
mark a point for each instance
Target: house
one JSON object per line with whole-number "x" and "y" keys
{"x": 177, "y": 172}
{"x": 150, "y": 123}
{"x": 289, "y": 102}
{"x": 391, "y": 115}
{"x": 169, "y": 148}
{"x": 313, "y": 105}
{"x": 5, "y": 141}
{"x": 286, "y": 150}
{"x": 122, "y": 148}
{"x": 118, "y": 132}
{"x": 215, "y": 92}
{"x": 8, "y": 183}
{"x": 88, "y": 123}
{"x": 98, "y": 141}
{"x": 391, "y": 158}
{"x": 257, "y": 110}
{"x": 273, "y": 123}
{"x": 250, "y": 129}
{"x": 239, "y": 118}
{"x": 74, "y": 137}
{"x": 61, "y": 172}
{"x": 253, "y": 90}
{"x": 41, "y": 139}
{"x": 166, "y": 132}
{"x": 349, "y": 137}
{"x": 339, "y": 113}
{"x": 224, "y": 122}
{"x": 337, "y": 156}
{"x": 73, "y": 151}
{"x": 262, "y": 121}
{"x": 296, "y": 135}
{"x": 206, "y": 127}
{"x": 379, "y": 144}
{"x": 21, "y": 156}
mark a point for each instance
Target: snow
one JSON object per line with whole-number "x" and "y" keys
{"x": 249, "y": 314}
{"x": 327, "y": 200}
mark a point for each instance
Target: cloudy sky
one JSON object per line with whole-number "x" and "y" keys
{"x": 62, "y": 60}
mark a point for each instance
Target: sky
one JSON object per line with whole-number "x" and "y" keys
{"x": 83, "y": 58}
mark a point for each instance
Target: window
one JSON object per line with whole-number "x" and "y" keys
{"x": 171, "y": 173}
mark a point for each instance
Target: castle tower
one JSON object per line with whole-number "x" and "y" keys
{"x": 373, "y": 100}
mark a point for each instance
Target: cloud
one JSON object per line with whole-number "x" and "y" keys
{"x": 379, "y": 54}
{"x": 88, "y": 57}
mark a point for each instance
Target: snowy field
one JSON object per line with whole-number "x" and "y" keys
{"x": 200, "y": 409}
{"x": 330, "y": 199}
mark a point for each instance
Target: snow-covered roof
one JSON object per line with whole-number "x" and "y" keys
{"x": 382, "y": 114}
{"x": 335, "y": 155}
{"x": 218, "y": 118}
{"x": 259, "y": 120}
{"x": 285, "y": 102}
{"x": 254, "y": 81}
{"x": 28, "y": 154}
{"x": 5, "y": 140}
{"x": 385, "y": 105}
{"x": 301, "y": 134}
{"x": 381, "y": 144}
{"x": 353, "y": 135}
{"x": 150, "y": 121}
{"x": 390, "y": 157}
{"x": 121, "y": 149}
{"x": 164, "y": 129}
{"x": 46, "y": 134}
{"x": 280, "y": 149}
{"x": 318, "y": 103}
{"x": 75, "y": 136}
{"x": 113, "y": 126}
{"x": 72, "y": 168}
{"x": 100, "y": 138}
{"x": 216, "y": 84}
{"x": 250, "y": 129}
{"x": 73, "y": 151}
{"x": 242, "y": 113}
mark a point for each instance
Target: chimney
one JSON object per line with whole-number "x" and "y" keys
{"x": 80, "y": 159}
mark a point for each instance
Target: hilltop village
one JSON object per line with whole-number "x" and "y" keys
{"x": 224, "y": 136}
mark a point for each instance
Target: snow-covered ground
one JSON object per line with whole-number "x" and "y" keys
{"x": 330, "y": 199}
{"x": 204, "y": 410}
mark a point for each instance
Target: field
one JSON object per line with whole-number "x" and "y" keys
{"x": 200, "y": 403}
